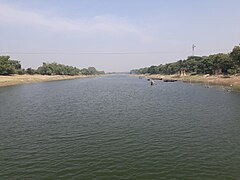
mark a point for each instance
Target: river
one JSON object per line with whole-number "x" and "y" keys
{"x": 119, "y": 127}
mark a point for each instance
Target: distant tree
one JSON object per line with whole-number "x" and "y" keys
{"x": 92, "y": 70}
{"x": 84, "y": 71}
{"x": 152, "y": 70}
{"x": 8, "y": 66}
{"x": 20, "y": 71}
{"x": 44, "y": 69}
{"x": 30, "y": 71}
{"x": 235, "y": 56}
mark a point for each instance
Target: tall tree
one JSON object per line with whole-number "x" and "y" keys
{"x": 8, "y": 66}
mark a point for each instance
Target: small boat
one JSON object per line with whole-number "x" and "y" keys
{"x": 169, "y": 80}
{"x": 157, "y": 79}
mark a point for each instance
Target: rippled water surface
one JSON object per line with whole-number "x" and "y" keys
{"x": 118, "y": 127}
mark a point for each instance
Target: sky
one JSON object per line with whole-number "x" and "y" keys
{"x": 116, "y": 35}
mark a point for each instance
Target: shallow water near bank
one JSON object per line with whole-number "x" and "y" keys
{"x": 118, "y": 127}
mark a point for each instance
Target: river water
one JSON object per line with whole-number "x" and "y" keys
{"x": 118, "y": 127}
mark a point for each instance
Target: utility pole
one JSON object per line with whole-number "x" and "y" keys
{"x": 193, "y": 49}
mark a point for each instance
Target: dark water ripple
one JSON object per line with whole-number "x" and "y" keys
{"x": 118, "y": 127}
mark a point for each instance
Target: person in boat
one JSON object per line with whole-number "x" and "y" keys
{"x": 152, "y": 82}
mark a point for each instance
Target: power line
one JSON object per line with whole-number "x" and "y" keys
{"x": 79, "y": 53}
{"x": 104, "y": 53}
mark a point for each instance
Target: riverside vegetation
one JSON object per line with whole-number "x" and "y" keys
{"x": 11, "y": 72}
{"x": 214, "y": 64}
{"x": 219, "y": 69}
{"x": 8, "y": 67}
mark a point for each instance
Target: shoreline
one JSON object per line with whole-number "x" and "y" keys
{"x": 230, "y": 83}
{"x": 26, "y": 79}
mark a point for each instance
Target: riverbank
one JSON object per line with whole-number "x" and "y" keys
{"x": 24, "y": 79}
{"x": 228, "y": 82}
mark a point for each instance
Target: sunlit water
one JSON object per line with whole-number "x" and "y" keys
{"x": 118, "y": 127}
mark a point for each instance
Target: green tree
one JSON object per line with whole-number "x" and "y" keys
{"x": 8, "y": 66}
{"x": 30, "y": 71}
{"x": 235, "y": 55}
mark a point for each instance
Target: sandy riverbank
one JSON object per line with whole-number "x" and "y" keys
{"x": 23, "y": 79}
{"x": 231, "y": 82}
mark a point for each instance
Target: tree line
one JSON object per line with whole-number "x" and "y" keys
{"x": 220, "y": 63}
{"x": 8, "y": 67}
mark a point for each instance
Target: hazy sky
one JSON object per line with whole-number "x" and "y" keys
{"x": 60, "y": 30}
